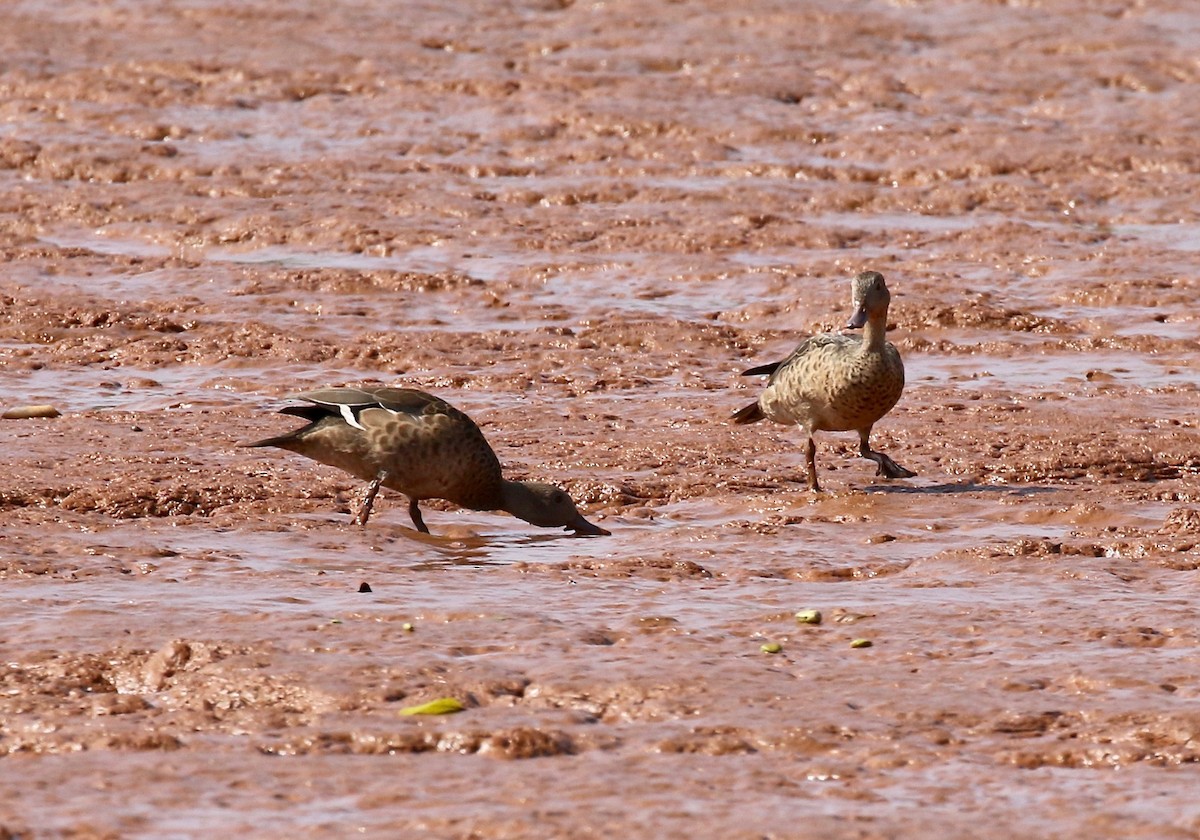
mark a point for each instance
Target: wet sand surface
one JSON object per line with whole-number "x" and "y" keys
{"x": 579, "y": 222}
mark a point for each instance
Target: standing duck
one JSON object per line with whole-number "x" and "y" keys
{"x": 421, "y": 446}
{"x": 837, "y": 383}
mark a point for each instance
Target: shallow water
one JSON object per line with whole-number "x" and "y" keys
{"x": 579, "y": 223}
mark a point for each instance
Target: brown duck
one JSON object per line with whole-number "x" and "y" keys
{"x": 421, "y": 446}
{"x": 838, "y": 383}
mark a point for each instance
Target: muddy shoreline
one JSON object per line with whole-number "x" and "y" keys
{"x": 579, "y": 223}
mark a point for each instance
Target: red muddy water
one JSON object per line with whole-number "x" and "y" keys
{"x": 578, "y": 222}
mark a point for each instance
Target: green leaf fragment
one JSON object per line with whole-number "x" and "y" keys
{"x": 771, "y": 647}
{"x": 407, "y": 627}
{"x": 809, "y": 616}
{"x": 861, "y": 643}
{"x": 441, "y": 706}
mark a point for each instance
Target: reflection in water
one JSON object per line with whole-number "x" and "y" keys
{"x": 919, "y": 487}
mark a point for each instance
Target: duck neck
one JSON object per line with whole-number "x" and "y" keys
{"x": 519, "y": 500}
{"x": 875, "y": 333}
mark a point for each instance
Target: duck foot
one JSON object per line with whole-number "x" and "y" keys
{"x": 889, "y": 468}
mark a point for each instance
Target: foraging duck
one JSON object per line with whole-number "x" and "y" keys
{"x": 837, "y": 383}
{"x": 421, "y": 446}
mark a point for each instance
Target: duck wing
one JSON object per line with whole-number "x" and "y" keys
{"x": 350, "y": 403}
{"x": 812, "y": 344}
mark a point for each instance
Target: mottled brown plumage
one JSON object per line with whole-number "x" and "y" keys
{"x": 837, "y": 383}
{"x": 421, "y": 446}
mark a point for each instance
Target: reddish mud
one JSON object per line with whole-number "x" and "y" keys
{"x": 578, "y": 222}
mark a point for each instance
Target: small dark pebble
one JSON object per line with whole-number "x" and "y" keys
{"x": 364, "y": 587}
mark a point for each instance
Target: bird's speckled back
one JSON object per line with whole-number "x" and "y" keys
{"x": 429, "y": 449}
{"x": 834, "y": 383}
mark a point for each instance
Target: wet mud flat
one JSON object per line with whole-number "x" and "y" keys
{"x": 578, "y": 223}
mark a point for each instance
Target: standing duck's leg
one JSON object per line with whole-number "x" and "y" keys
{"x": 887, "y": 467}
{"x": 414, "y": 511}
{"x": 810, "y": 453}
{"x": 368, "y": 502}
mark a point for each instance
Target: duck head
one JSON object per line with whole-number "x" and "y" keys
{"x": 869, "y": 299}
{"x": 547, "y": 506}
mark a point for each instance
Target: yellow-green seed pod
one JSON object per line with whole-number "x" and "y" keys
{"x": 441, "y": 706}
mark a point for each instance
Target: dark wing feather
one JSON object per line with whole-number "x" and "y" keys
{"x": 337, "y": 397}
{"x": 311, "y": 413}
{"x": 762, "y": 370}
{"x": 402, "y": 400}
{"x": 409, "y": 401}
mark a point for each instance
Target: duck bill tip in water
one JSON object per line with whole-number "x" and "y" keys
{"x": 583, "y": 528}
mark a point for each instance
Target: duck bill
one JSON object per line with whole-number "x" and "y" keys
{"x": 858, "y": 320}
{"x": 583, "y": 528}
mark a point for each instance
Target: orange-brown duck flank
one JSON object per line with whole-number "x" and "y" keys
{"x": 419, "y": 445}
{"x": 838, "y": 383}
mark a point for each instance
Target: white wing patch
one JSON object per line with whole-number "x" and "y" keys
{"x": 348, "y": 416}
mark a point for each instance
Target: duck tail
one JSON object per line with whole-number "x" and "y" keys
{"x": 313, "y": 414}
{"x": 282, "y": 441}
{"x": 763, "y": 370}
{"x": 750, "y": 414}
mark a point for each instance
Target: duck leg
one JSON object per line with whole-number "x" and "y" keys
{"x": 810, "y": 454}
{"x": 414, "y": 511}
{"x": 887, "y": 467}
{"x": 368, "y": 502}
